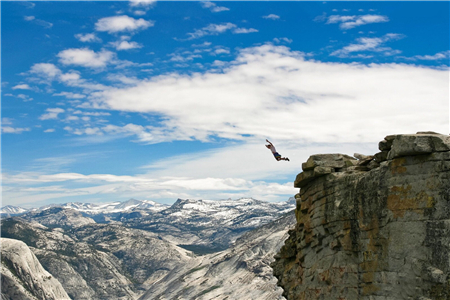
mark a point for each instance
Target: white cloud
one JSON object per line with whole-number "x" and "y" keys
{"x": 271, "y": 91}
{"x": 211, "y": 29}
{"x": 437, "y": 56}
{"x": 6, "y": 121}
{"x": 45, "y": 70}
{"x": 17, "y": 130}
{"x": 370, "y": 44}
{"x": 72, "y": 76}
{"x": 21, "y": 87}
{"x": 244, "y": 30}
{"x": 349, "y": 22}
{"x": 183, "y": 57}
{"x": 142, "y": 3}
{"x": 85, "y": 57}
{"x": 283, "y": 39}
{"x": 139, "y": 12}
{"x": 125, "y": 45}
{"x": 213, "y": 7}
{"x": 88, "y": 37}
{"x": 215, "y": 29}
{"x": 24, "y": 97}
{"x": 122, "y": 23}
{"x": 52, "y": 113}
{"x": 49, "y": 130}
{"x": 70, "y": 95}
{"x": 231, "y": 172}
{"x": 204, "y": 44}
{"x": 38, "y": 21}
{"x": 271, "y": 17}
{"x": 221, "y": 51}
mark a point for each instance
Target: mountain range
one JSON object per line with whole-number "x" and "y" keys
{"x": 194, "y": 249}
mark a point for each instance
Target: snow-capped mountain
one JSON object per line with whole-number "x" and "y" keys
{"x": 58, "y": 217}
{"x": 202, "y": 226}
{"x": 10, "y": 210}
{"x": 209, "y": 225}
{"x": 111, "y": 207}
{"x": 110, "y": 261}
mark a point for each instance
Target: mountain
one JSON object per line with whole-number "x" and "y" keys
{"x": 205, "y": 226}
{"x": 241, "y": 272}
{"x": 23, "y": 277}
{"x": 10, "y": 210}
{"x": 98, "y": 261}
{"x": 58, "y": 217}
{"x": 93, "y": 209}
{"x": 137, "y": 250}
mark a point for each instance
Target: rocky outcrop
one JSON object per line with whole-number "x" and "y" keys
{"x": 23, "y": 277}
{"x": 372, "y": 227}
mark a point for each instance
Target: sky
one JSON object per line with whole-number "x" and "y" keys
{"x": 160, "y": 100}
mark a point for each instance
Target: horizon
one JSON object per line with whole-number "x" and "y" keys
{"x": 144, "y": 201}
{"x": 160, "y": 100}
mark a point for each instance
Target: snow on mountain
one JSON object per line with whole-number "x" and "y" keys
{"x": 112, "y": 207}
{"x": 11, "y": 210}
{"x": 211, "y": 224}
{"x": 240, "y": 272}
{"x": 58, "y": 217}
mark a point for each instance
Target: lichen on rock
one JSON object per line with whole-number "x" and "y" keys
{"x": 372, "y": 227}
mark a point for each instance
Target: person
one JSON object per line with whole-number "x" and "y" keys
{"x": 277, "y": 155}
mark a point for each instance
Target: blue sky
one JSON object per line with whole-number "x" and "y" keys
{"x": 104, "y": 101}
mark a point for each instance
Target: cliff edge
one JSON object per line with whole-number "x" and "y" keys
{"x": 372, "y": 227}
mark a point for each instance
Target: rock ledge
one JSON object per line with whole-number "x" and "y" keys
{"x": 372, "y": 227}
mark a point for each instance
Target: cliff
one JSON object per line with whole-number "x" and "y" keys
{"x": 376, "y": 227}
{"x": 23, "y": 277}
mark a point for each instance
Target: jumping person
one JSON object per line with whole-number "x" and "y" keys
{"x": 275, "y": 153}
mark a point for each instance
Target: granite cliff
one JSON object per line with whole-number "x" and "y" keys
{"x": 23, "y": 277}
{"x": 372, "y": 227}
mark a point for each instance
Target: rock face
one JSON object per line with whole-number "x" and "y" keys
{"x": 23, "y": 277}
{"x": 377, "y": 227}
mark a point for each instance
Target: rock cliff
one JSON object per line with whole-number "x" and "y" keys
{"x": 372, "y": 227}
{"x": 23, "y": 277}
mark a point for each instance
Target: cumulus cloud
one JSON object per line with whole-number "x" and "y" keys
{"x": 88, "y": 37}
{"x": 370, "y": 44}
{"x": 142, "y": 3}
{"x": 349, "y": 22}
{"x": 270, "y": 91}
{"x": 85, "y": 57}
{"x": 125, "y": 45}
{"x": 122, "y": 23}
{"x": 52, "y": 113}
{"x": 45, "y": 70}
{"x": 271, "y": 17}
{"x": 244, "y": 30}
{"x": 213, "y": 7}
